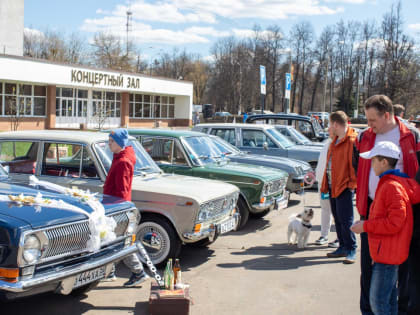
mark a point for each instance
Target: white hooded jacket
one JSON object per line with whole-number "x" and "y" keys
{"x": 322, "y": 161}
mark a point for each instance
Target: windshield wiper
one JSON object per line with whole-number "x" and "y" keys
{"x": 204, "y": 157}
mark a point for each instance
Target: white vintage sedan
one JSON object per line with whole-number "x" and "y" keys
{"x": 174, "y": 209}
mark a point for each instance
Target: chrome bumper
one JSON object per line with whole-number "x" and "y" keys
{"x": 66, "y": 272}
{"x": 212, "y": 231}
{"x": 274, "y": 204}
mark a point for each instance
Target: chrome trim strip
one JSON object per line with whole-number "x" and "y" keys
{"x": 56, "y": 275}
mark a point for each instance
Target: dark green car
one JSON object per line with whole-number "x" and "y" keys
{"x": 191, "y": 153}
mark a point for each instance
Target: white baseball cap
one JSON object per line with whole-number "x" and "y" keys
{"x": 383, "y": 148}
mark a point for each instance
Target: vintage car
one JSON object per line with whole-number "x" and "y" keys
{"x": 296, "y": 137}
{"x": 261, "y": 139}
{"x": 308, "y": 126}
{"x": 191, "y": 153}
{"x": 44, "y": 240}
{"x": 295, "y": 168}
{"x": 175, "y": 209}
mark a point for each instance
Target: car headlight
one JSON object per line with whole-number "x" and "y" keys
{"x": 31, "y": 249}
{"x": 204, "y": 213}
{"x": 133, "y": 221}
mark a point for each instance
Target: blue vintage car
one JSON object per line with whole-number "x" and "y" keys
{"x": 44, "y": 248}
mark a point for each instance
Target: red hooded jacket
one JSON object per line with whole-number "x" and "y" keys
{"x": 120, "y": 175}
{"x": 390, "y": 223}
{"x": 365, "y": 142}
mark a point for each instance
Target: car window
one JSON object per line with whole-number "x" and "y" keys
{"x": 88, "y": 166}
{"x": 285, "y": 132}
{"x": 204, "y": 130}
{"x": 256, "y": 138}
{"x": 159, "y": 149}
{"x": 61, "y": 159}
{"x": 226, "y": 134}
{"x": 305, "y": 128}
{"x": 19, "y": 156}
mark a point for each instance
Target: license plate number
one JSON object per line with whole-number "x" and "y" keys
{"x": 89, "y": 276}
{"x": 227, "y": 226}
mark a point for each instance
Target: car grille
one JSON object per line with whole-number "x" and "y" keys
{"x": 72, "y": 238}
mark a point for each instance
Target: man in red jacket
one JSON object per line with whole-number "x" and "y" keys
{"x": 390, "y": 225}
{"x": 118, "y": 184}
{"x": 384, "y": 126}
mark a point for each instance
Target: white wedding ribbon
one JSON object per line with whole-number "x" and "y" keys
{"x": 101, "y": 227}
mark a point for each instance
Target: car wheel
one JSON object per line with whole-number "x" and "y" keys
{"x": 84, "y": 289}
{"x": 159, "y": 239}
{"x": 260, "y": 214}
{"x": 244, "y": 213}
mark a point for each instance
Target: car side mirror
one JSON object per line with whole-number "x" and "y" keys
{"x": 265, "y": 146}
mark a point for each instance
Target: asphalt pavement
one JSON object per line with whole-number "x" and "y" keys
{"x": 253, "y": 271}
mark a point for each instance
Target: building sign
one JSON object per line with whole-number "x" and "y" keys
{"x": 111, "y": 80}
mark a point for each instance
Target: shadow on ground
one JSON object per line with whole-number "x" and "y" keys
{"x": 279, "y": 257}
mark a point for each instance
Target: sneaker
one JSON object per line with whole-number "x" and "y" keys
{"x": 111, "y": 277}
{"x": 136, "y": 278}
{"x": 321, "y": 241}
{"x": 339, "y": 252}
{"x": 334, "y": 244}
{"x": 350, "y": 258}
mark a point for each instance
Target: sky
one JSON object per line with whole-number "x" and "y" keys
{"x": 195, "y": 25}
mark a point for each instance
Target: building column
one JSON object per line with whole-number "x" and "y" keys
{"x": 50, "y": 110}
{"x": 125, "y": 112}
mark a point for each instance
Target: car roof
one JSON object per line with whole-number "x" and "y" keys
{"x": 232, "y": 125}
{"x": 56, "y": 135}
{"x": 278, "y": 116}
{"x": 164, "y": 132}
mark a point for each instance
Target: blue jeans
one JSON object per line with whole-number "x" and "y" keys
{"x": 383, "y": 289}
{"x": 342, "y": 211}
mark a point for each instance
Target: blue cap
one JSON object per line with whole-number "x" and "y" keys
{"x": 120, "y": 136}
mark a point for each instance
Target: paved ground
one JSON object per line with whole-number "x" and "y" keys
{"x": 253, "y": 271}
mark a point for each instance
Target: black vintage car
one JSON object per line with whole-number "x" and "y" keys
{"x": 44, "y": 240}
{"x": 308, "y": 126}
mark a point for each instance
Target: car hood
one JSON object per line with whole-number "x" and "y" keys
{"x": 200, "y": 189}
{"x": 246, "y": 170}
{"x": 44, "y": 216}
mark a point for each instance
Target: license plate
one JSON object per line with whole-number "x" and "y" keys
{"x": 89, "y": 276}
{"x": 227, "y": 226}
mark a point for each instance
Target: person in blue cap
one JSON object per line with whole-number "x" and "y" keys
{"x": 118, "y": 183}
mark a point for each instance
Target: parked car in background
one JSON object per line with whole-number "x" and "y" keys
{"x": 261, "y": 139}
{"x": 175, "y": 209}
{"x": 44, "y": 240}
{"x": 191, "y": 153}
{"x": 308, "y": 126}
{"x": 295, "y": 136}
{"x": 295, "y": 168}
{"x": 324, "y": 116}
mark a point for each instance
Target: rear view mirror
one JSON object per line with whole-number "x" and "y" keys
{"x": 265, "y": 146}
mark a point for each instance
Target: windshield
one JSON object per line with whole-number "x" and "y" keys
{"x": 225, "y": 147}
{"x": 284, "y": 142}
{"x": 202, "y": 150}
{"x": 302, "y": 138}
{"x": 144, "y": 163}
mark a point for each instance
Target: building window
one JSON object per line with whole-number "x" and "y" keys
{"x": 151, "y": 106}
{"x": 22, "y": 99}
{"x": 71, "y": 102}
{"x": 106, "y": 104}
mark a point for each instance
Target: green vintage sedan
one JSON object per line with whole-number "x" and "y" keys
{"x": 194, "y": 154}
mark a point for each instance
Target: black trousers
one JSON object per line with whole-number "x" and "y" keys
{"x": 404, "y": 289}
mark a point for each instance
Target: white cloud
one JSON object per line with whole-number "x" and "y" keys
{"x": 346, "y": 1}
{"x": 415, "y": 27}
{"x": 210, "y": 31}
{"x": 33, "y": 32}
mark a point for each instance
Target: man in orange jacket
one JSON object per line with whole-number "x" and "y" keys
{"x": 390, "y": 225}
{"x": 340, "y": 181}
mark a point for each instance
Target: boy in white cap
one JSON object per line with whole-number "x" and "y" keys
{"x": 390, "y": 225}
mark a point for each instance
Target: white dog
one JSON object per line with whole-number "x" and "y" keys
{"x": 300, "y": 224}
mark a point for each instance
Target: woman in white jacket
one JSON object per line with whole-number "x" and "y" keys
{"x": 324, "y": 200}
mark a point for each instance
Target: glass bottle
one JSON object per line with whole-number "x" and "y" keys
{"x": 177, "y": 269}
